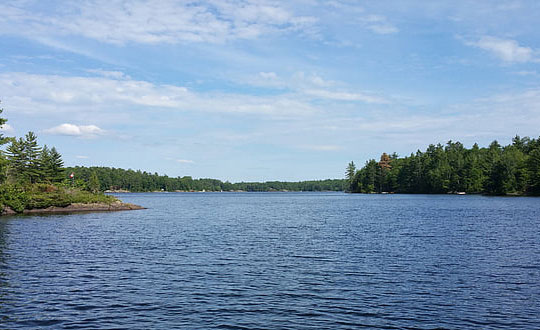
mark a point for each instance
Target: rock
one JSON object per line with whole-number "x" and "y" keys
{"x": 8, "y": 211}
{"x": 93, "y": 207}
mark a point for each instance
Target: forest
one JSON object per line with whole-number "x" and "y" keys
{"x": 494, "y": 170}
{"x": 118, "y": 179}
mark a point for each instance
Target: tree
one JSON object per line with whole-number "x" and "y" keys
{"x": 384, "y": 168}
{"x": 56, "y": 165}
{"x": 350, "y": 174}
{"x": 3, "y": 160}
{"x": 45, "y": 164}
{"x": 17, "y": 160}
{"x": 32, "y": 152}
{"x": 93, "y": 183}
{"x": 533, "y": 166}
{"x": 495, "y": 170}
{"x": 3, "y": 121}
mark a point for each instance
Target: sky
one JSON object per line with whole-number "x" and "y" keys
{"x": 255, "y": 90}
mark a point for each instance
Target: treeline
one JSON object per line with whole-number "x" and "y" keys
{"x": 141, "y": 181}
{"x": 496, "y": 170}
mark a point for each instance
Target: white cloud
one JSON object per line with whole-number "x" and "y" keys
{"x": 185, "y": 161}
{"x": 6, "y": 128}
{"x": 154, "y": 21}
{"x": 110, "y": 74}
{"x": 312, "y": 86}
{"x": 75, "y": 130}
{"x": 92, "y": 95}
{"x": 379, "y": 24}
{"x": 81, "y": 157}
{"x": 507, "y": 50}
{"x": 345, "y": 96}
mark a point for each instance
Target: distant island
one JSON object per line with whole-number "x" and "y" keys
{"x": 496, "y": 170}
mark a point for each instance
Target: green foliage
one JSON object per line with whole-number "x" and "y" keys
{"x": 44, "y": 195}
{"x": 14, "y": 197}
{"x": 93, "y": 183}
{"x": 138, "y": 181}
{"x": 85, "y": 197}
{"x": 495, "y": 170}
{"x": 3, "y": 140}
{"x": 27, "y": 162}
{"x": 40, "y": 195}
{"x": 349, "y": 175}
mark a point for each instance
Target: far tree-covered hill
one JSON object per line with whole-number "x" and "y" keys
{"x": 495, "y": 170}
{"x": 139, "y": 181}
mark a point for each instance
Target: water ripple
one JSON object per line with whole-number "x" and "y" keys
{"x": 276, "y": 261}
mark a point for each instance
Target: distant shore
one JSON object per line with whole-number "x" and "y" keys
{"x": 78, "y": 208}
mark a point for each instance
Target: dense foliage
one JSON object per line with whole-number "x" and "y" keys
{"x": 137, "y": 181}
{"x": 33, "y": 177}
{"x": 496, "y": 170}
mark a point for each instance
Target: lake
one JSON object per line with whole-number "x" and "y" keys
{"x": 276, "y": 261}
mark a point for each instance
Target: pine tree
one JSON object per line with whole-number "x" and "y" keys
{"x": 56, "y": 165}
{"x": 32, "y": 151}
{"x": 45, "y": 164}
{"x": 17, "y": 160}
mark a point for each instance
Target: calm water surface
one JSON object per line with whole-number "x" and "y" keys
{"x": 277, "y": 261}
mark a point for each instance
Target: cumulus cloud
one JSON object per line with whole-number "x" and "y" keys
{"x": 75, "y": 130}
{"x": 507, "y": 50}
{"x": 155, "y": 21}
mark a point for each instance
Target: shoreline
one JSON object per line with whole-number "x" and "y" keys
{"x": 76, "y": 208}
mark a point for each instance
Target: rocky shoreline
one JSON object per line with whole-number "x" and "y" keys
{"x": 79, "y": 208}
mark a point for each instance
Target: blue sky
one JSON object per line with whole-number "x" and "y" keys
{"x": 266, "y": 90}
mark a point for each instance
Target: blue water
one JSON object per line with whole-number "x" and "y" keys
{"x": 276, "y": 261}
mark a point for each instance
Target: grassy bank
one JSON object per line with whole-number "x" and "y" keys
{"x": 40, "y": 196}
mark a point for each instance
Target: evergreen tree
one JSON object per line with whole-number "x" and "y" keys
{"x": 350, "y": 174}
{"x": 3, "y": 160}
{"x": 56, "y": 166}
{"x": 32, "y": 151}
{"x": 45, "y": 164}
{"x": 93, "y": 183}
{"x": 17, "y": 159}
